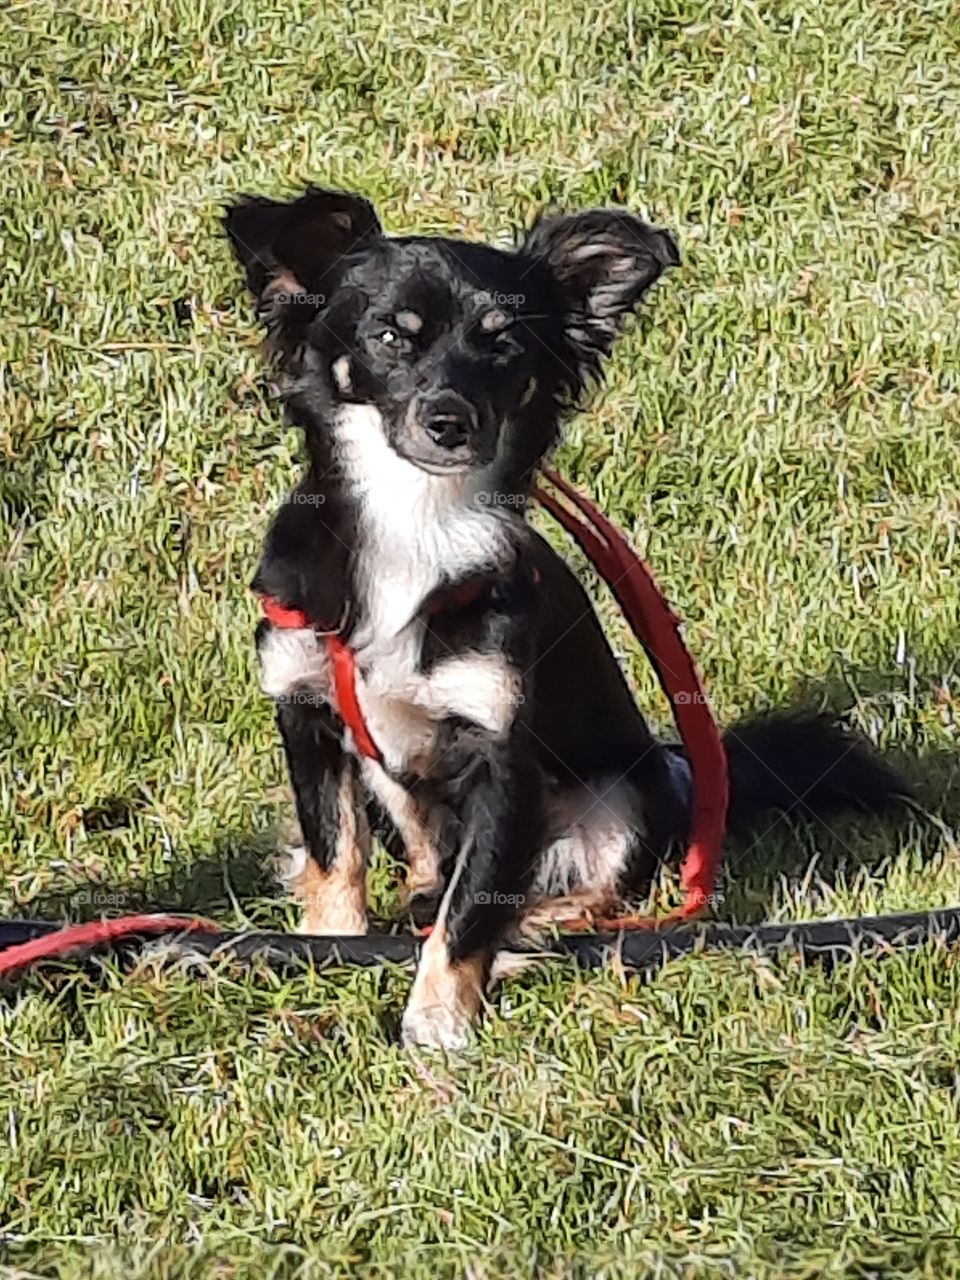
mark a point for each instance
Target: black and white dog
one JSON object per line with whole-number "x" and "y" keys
{"x": 430, "y": 377}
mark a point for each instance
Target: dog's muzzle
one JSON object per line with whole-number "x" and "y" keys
{"x": 442, "y": 433}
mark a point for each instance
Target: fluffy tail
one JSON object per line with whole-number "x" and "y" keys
{"x": 803, "y": 764}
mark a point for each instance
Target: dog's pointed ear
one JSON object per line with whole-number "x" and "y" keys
{"x": 604, "y": 261}
{"x": 293, "y": 248}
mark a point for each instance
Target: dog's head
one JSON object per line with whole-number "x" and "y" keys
{"x": 448, "y": 340}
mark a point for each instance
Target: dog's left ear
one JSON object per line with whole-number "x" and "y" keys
{"x": 604, "y": 261}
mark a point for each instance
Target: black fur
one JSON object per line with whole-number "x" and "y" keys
{"x": 805, "y": 765}
{"x": 306, "y": 554}
{"x": 312, "y": 740}
{"x": 459, "y": 361}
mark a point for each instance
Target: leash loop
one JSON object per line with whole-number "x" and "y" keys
{"x": 659, "y": 631}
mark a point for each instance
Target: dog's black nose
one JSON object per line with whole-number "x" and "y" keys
{"x": 449, "y": 420}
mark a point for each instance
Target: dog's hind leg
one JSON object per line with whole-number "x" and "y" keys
{"x": 606, "y": 838}
{"x": 327, "y": 873}
{"x": 591, "y": 835}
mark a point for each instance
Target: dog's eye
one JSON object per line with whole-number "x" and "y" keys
{"x": 505, "y": 348}
{"x": 389, "y": 337}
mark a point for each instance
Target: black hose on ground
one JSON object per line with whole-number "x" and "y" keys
{"x": 639, "y": 952}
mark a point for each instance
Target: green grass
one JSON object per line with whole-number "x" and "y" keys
{"x": 779, "y": 434}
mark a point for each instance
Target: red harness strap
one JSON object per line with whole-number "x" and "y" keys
{"x": 280, "y": 616}
{"x": 343, "y": 661}
{"x": 658, "y": 629}
{"x": 343, "y": 666}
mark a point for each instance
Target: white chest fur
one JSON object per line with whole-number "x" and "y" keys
{"x": 414, "y": 532}
{"x": 415, "y": 529}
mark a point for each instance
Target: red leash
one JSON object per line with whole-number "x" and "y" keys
{"x": 83, "y": 937}
{"x": 658, "y": 629}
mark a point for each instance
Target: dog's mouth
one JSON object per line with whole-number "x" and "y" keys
{"x": 427, "y": 460}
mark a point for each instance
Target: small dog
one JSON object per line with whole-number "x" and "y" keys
{"x": 431, "y": 377}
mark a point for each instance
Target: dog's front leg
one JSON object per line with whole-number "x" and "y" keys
{"x": 418, "y": 843}
{"x": 498, "y": 838}
{"x": 328, "y": 876}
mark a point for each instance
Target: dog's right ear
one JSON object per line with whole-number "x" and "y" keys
{"x": 291, "y": 250}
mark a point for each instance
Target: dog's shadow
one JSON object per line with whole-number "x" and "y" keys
{"x": 237, "y": 878}
{"x": 237, "y": 884}
{"x": 796, "y": 859}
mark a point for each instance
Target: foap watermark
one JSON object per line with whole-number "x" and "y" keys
{"x": 494, "y": 498}
{"x": 513, "y": 300}
{"x": 102, "y": 899}
{"x": 299, "y": 499}
{"x": 300, "y": 698}
{"x": 940, "y": 697}
{"x": 300, "y": 298}
{"x": 497, "y": 899}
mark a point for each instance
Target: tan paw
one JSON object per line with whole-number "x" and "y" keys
{"x": 445, "y": 999}
{"x": 436, "y": 1027}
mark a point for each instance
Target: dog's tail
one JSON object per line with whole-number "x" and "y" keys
{"x": 805, "y": 765}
